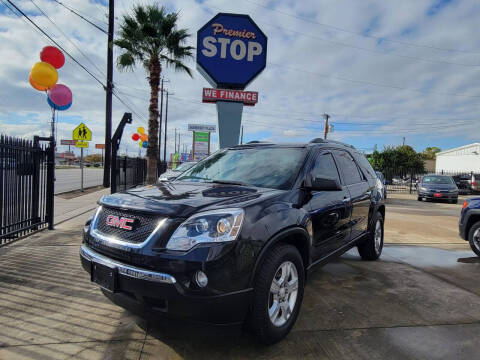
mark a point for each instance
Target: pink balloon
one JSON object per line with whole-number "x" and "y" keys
{"x": 60, "y": 95}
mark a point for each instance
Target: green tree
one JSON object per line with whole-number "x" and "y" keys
{"x": 397, "y": 161}
{"x": 430, "y": 153}
{"x": 150, "y": 36}
{"x": 93, "y": 158}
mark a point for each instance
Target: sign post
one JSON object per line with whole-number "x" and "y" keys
{"x": 231, "y": 52}
{"x": 81, "y": 134}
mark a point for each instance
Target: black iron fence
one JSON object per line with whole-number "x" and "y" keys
{"x": 26, "y": 186}
{"x": 129, "y": 172}
{"x": 406, "y": 181}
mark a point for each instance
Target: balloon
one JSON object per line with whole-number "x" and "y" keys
{"x": 60, "y": 95}
{"x": 57, "y": 107}
{"x": 144, "y": 137}
{"x": 44, "y": 74}
{"x": 145, "y": 144}
{"x": 135, "y": 137}
{"x": 36, "y": 86}
{"x": 141, "y": 130}
{"x": 140, "y": 143}
{"x": 53, "y": 56}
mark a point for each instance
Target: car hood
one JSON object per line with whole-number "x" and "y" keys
{"x": 181, "y": 199}
{"x": 439, "y": 186}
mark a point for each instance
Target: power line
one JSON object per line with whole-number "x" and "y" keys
{"x": 378, "y": 38}
{"x": 364, "y": 82}
{"x": 68, "y": 39}
{"x": 80, "y": 16}
{"x": 56, "y": 43}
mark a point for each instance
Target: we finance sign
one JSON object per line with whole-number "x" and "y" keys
{"x": 231, "y": 50}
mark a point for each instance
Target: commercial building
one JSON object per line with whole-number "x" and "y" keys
{"x": 462, "y": 159}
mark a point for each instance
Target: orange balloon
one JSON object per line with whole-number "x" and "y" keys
{"x": 144, "y": 137}
{"x": 35, "y": 85}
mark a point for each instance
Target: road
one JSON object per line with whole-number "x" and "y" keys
{"x": 69, "y": 179}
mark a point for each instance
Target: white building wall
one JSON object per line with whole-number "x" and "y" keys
{"x": 458, "y": 163}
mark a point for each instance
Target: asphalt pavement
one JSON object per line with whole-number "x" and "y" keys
{"x": 69, "y": 179}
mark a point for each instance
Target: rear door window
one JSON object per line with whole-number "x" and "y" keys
{"x": 348, "y": 168}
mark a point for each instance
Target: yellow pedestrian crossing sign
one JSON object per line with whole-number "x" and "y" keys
{"x": 81, "y": 144}
{"x": 82, "y": 132}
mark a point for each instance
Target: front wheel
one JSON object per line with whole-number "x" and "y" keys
{"x": 474, "y": 238}
{"x": 371, "y": 248}
{"x": 278, "y": 294}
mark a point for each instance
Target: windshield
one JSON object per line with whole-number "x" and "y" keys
{"x": 269, "y": 167}
{"x": 184, "y": 166}
{"x": 437, "y": 180}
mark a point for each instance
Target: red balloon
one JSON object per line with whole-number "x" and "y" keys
{"x": 60, "y": 95}
{"x": 135, "y": 137}
{"x": 53, "y": 56}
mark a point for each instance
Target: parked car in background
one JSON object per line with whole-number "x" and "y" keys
{"x": 437, "y": 187}
{"x": 232, "y": 239}
{"x": 463, "y": 182}
{"x": 382, "y": 180}
{"x": 469, "y": 223}
{"x": 171, "y": 174}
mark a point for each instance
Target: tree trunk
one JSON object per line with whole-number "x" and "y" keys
{"x": 155, "y": 69}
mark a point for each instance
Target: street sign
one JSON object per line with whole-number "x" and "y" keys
{"x": 249, "y": 98}
{"x": 67, "y": 142}
{"x": 231, "y": 51}
{"x": 99, "y": 146}
{"x": 81, "y": 144}
{"x": 201, "y": 145}
{"x": 82, "y": 132}
{"x": 199, "y": 127}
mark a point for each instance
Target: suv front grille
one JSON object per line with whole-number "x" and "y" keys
{"x": 142, "y": 227}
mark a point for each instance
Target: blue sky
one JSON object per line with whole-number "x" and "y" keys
{"x": 383, "y": 70}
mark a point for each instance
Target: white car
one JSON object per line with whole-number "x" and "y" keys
{"x": 172, "y": 174}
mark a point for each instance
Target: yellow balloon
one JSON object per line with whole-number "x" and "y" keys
{"x": 140, "y": 143}
{"x": 141, "y": 130}
{"x": 44, "y": 74}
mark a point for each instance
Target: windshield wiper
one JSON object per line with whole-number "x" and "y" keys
{"x": 228, "y": 182}
{"x": 191, "y": 177}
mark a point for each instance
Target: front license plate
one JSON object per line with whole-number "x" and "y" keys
{"x": 437, "y": 195}
{"x": 105, "y": 276}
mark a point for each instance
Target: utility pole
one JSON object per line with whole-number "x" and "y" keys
{"x": 403, "y": 144}
{"x": 160, "y": 125}
{"x": 109, "y": 89}
{"x": 165, "y": 138}
{"x": 241, "y": 137}
{"x": 175, "y": 147}
{"x": 326, "y": 116}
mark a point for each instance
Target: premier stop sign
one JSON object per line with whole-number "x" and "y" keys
{"x": 231, "y": 50}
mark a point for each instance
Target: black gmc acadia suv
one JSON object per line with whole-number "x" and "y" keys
{"x": 232, "y": 238}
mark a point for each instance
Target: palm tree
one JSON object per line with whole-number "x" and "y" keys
{"x": 150, "y": 36}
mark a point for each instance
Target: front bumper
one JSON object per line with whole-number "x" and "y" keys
{"x": 145, "y": 292}
{"x": 431, "y": 196}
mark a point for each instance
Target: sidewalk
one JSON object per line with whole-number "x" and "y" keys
{"x": 66, "y": 209}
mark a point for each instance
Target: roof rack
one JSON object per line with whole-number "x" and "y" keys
{"x": 320, "y": 140}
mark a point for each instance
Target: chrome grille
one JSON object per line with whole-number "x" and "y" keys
{"x": 142, "y": 227}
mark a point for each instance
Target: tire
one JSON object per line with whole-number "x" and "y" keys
{"x": 419, "y": 198}
{"x": 474, "y": 238}
{"x": 371, "y": 248}
{"x": 276, "y": 263}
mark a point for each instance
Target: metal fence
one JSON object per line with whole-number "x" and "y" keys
{"x": 407, "y": 181}
{"x": 130, "y": 172}
{"x": 26, "y": 186}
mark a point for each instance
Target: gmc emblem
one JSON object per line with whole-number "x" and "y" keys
{"x": 119, "y": 222}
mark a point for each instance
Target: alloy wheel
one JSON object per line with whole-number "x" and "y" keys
{"x": 476, "y": 239}
{"x": 378, "y": 236}
{"x": 283, "y": 293}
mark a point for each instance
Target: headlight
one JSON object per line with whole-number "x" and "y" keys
{"x": 423, "y": 188}
{"x": 208, "y": 227}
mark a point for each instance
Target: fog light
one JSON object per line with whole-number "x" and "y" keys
{"x": 201, "y": 279}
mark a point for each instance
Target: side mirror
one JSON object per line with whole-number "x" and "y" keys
{"x": 322, "y": 184}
